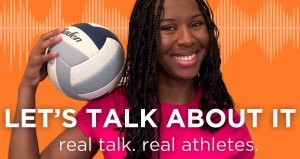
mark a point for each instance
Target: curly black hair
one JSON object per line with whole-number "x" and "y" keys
{"x": 140, "y": 86}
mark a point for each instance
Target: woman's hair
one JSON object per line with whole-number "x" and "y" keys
{"x": 140, "y": 86}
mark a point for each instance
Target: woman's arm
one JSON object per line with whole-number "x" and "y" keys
{"x": 24, "y": 142}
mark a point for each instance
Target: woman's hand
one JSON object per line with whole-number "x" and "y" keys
{"x": 36, "y": 69}
{"x": 35, "y": 72}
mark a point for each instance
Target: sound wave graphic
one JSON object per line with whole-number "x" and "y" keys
{"x": 18, "y": 27}
{"x": 272, "y": 28}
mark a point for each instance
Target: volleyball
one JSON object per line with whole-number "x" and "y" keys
{"x": 90, "y": 61}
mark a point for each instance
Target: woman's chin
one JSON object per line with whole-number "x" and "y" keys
{"x": 186, "y": 76}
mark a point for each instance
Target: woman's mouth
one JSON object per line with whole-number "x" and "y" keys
{"x": 186, "y": 60}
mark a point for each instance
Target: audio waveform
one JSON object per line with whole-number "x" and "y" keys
{"x": 272, "y": 28}
{"x": 19, "y": 27}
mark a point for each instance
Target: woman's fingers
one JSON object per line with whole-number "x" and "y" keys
{"x": 52, "y": 33}
{"x": 47, "y": 40}
{"x": 38, "y": 56}
{"x": 48, "y": 43}
{"x": 36, "y": 67}
{"x": 43, "y": 45}
{"x": 49, "y": 56}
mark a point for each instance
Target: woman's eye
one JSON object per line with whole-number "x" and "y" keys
{"x": 196, "y": 24}
{"x": 168, "y": 28}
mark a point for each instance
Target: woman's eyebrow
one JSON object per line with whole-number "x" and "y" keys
{"x": 197, "y": 15}
{"x": 192, "y": 17}
{"x": 169, "y": 19}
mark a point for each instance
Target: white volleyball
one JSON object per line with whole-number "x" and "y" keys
{"x": 90, "y": 62}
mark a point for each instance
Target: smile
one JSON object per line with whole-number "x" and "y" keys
{"x": 186, "y": 60}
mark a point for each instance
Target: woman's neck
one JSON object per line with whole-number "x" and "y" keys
{"x": 176, "y": 91}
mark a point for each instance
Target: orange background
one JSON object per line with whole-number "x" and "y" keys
{"x": 253, "y": 78}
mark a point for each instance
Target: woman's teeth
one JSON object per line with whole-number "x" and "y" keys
{"x": 185, "y": 58}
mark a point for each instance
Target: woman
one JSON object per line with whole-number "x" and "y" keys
{"x": 173, "y": 62}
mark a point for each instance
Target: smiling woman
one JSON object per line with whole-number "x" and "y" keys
{"x": 183, "y": 40}
{"x": 173, "y": 65}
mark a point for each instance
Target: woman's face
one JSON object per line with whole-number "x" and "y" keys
{"x": 183, "y": 40}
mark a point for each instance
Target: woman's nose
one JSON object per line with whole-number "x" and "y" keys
{"x": 185, "y": 37}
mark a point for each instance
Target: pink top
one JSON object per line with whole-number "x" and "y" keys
{"x": 226, "y": 143}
